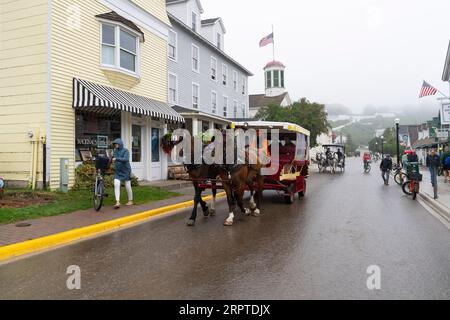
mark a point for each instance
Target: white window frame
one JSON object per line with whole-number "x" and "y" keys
{"x": 219, "y": 44}
{"x": 225, "y": 106}
{"x": 214, "y": 110}
{"x": 194, "y": 84}
{"x": 196, "y": 21}
{"x": 214, "y": 62}
{"x": 116, "y": 66}
{"x": 235, "y": 109}
{"x": 235, "y": 81}
{"x": 224, "y": 74}
{"x": 176, "y": 87}
{"x": 176, "y": 46}
{"x": 244, "y": 109}
{"x": 244, "y": 85}
{"x": 198, "y": 58}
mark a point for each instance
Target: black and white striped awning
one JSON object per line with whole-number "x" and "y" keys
{"x": 91, "y": 95}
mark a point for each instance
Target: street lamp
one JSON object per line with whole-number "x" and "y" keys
{"x": 382, "y": 147}
{"x": 397, "y": 126}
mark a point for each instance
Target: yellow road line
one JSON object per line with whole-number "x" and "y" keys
{"x": 32, "y": 246}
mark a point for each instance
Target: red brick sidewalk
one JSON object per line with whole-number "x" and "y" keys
{"x": 42, "y": 227}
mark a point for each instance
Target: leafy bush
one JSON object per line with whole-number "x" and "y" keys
{"x": 85, "y": 178}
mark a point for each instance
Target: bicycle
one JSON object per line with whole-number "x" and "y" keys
{"x": 101, "y": 165}
{"x": 399, "y": 175}
{"x": 412, "y": 186}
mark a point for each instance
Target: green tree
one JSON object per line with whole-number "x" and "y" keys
{"x": 389, "y": 143}
{"x": 350, "y": 146}
{"x": 311, "y": 116}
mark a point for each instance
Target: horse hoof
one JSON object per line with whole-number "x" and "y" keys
{"x": 206, "y": 213}
{"x": 247, "y": 212}
{"x": 257, "y": 213}
{"x": 191, "y": 223}
{"x": 228, "y": 223}
{"x": 212, "y": 212}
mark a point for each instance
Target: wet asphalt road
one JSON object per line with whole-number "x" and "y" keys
{"x": 318, "y": 248}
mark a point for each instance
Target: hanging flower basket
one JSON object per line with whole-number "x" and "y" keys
{"x": 167, "y": 143}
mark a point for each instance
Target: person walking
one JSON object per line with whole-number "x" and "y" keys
{"x": 386, "y": 168}
{"x": 122, "y": 167}
{"x": 433, "y": 164}
{"x": 445, "y": 162}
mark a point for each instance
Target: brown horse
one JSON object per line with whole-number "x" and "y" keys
{"x": 243, "y": 177}
{"x": 235, "y": 181}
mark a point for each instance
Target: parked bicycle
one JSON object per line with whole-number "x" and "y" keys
{"x": 102, "y": 163}
{"x": 399, "y": 175}
{"x": 412, "y": 186}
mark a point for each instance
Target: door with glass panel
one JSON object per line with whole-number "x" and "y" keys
{"x": 156, "y": 154}
{"x": 137, "y": 154}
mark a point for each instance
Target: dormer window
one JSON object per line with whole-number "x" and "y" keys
{"x": 219, "y": 41}
{"x": 194, "y": 21}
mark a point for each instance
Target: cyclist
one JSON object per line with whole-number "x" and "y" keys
{"x": 412, "y": 163}
{"x": 366, "y": 159}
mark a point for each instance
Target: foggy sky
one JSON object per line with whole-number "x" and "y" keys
{"x": 353, "y": 52}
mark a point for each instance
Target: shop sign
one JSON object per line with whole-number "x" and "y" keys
{"x": 445, "y": 113}
{"x": 101, "y": 142}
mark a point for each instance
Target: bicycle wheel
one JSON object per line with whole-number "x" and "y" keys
{"x": 405, "y": 188}
{"x": 400, "y": 178}
{"x": 99, "y": 190}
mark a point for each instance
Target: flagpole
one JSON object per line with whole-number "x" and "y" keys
{"x": 273, "y": 42}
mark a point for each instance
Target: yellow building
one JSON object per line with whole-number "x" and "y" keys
{"x": 76, "y": 74}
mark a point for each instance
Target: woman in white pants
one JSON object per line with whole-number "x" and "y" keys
{"x": 122, "y": 169}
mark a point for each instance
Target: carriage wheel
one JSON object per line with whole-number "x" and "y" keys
{"x": 289, "y": 198}
{"x": 302, "y": 194}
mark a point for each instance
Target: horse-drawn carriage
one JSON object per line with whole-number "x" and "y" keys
{"x": 290, "y": 173}
{"x": 333, "y": 158}
{"x": 284, "y": 171}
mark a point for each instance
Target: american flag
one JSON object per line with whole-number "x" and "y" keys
{"x": 427, "y": 90}
{"x": 267, "y": 40}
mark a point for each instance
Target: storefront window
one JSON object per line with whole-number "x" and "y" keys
{"x": 137, "y": 143}
{"x": 155, "y": 145}
{"x": 94, "y": 132}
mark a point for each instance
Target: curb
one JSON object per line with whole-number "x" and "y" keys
{"x": 440, "y": 211}
{"x": 32, "y": 246}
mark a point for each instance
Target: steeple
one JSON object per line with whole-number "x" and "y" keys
{"x": 274, "y": 78}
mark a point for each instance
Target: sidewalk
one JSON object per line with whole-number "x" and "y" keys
{"x": 11, "y": 233}
{"x": 442, "y": 204}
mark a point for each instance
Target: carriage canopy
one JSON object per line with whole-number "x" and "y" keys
{"x": 297, "y": 134}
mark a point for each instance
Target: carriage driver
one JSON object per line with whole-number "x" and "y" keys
{"x": 340, "y": 155}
